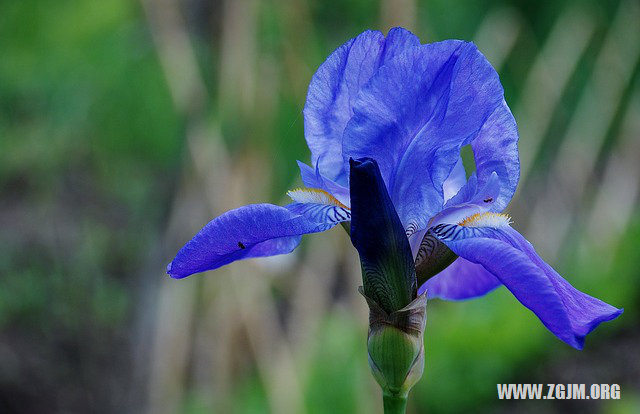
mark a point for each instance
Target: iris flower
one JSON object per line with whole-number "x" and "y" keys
{"x": 404, "y": 110}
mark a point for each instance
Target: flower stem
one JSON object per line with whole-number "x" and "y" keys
{"x": 394, "y": 404}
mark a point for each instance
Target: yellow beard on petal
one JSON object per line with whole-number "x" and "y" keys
{"x": 314, "y": 195}
{"x": 495, "y": 220}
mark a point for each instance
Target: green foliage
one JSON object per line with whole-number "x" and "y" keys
{"x": 92, "y": 149}
{"x": 338, "y": 366}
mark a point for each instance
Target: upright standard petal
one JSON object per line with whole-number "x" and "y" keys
{"x": 256, "y": 230}
{"x": 388, "y": 271}
{"x": 565, "y": 311}
{"x": 334, "y": 88}
{"x": 415, "y": 129}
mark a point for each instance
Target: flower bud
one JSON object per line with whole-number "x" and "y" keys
{"x": 388, "y": 270}
{"x": 395, "y": 345}
{"x": 396, "y": 316}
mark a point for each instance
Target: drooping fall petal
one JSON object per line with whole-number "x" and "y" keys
{"x": 567, "y": 312}
{"x": 256, "y": 230}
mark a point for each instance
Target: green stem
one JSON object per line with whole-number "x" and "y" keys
{"x": 394, "y": 404}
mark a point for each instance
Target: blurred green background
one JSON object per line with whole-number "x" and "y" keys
{"x": 125, "y": 126}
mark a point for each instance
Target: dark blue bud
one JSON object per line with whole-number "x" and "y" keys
{"x": 388, "y": 271}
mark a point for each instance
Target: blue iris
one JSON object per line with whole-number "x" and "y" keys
{"x": 411, "y": 108}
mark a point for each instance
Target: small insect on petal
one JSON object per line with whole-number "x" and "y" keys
{"x": 495, "y": 220}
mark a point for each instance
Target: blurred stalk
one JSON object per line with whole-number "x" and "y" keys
{"x": 177, "y": 57}
{"x": 398, "y": 13}
{"x": 298, "y": 42}
{"x": 616, "y": 198}
{"x": 497, "y": 35}
{"x": 237, "y": 82}
{"x": 578, "y": 153}
{"x": 171, "y": 345}
{"x": 547, "y": 80}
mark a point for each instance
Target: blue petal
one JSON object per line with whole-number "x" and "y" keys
{"x": 565, "y": 311}
{"x": 461, "y": 280}
{"x": 417, "y": 112}
{"x": 334, "y": 88}
{"x": 256, "y": 230}
{"x": 388, "y": 270}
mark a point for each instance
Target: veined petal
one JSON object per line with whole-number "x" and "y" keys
{"x": 318, "y": 206}
{"x": 458, "y": 192}
{"x": 415, "y": 129}
{"x": 461, "y": 280}
{"x": 334, "y": 88}
{"x": 432, "y": 257}
{"x": 388, "y": 271}
{"x": 565, "y": 311}
{"x": 256, "y": 230}
{"x": 467, "y": 201}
